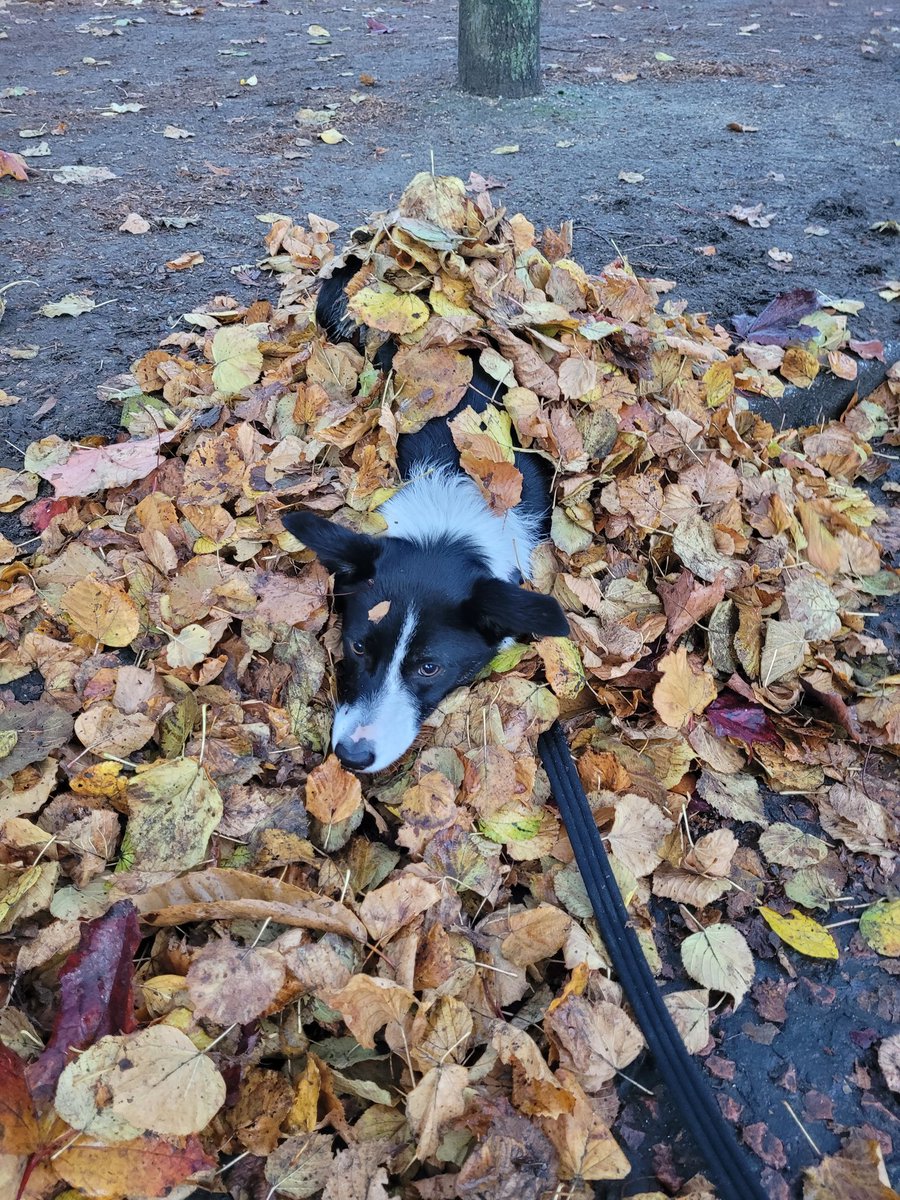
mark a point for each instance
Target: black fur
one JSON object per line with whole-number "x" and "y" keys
{"x": 462, "y": 612}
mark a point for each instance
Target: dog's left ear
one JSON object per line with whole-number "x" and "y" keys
{"x": 501, "y": 609}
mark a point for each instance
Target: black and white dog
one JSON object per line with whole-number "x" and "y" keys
{"x": 447, "y": 566}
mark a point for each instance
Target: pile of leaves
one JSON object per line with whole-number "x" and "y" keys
{"x": 228, "y": 959}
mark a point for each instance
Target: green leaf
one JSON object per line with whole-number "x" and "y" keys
{"x": 880, "y": 928}
{"x": 173, "y": 809}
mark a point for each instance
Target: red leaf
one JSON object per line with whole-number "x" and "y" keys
{"x": 96, "y": 996}
{"x": 18, "y": 1124}
{"x": 732, "y": 717}
{"x": 42, "y": 512}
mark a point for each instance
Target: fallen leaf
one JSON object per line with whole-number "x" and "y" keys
{"x": 173, "y": 809}
{"x": 152, "y": 1081}
{"x": 13, "y": 165}
{"x": 682, "y": 692}
{"x": 231, "y": 984}
{"x": 83, "y": 176}
{"x": 719, "y": 958}
{"x": 332, "y": 794}
{"x": 435, "y": 1101}
{"x": 102, "y": 611}
{"x": 237, "y": 357}
{"x": 368, "y": 1004}
{"x": 191, "y": 258}
{"x": 173, "y": 132}
{"x": 71, "y": 305}
{"x": 879, "y": 927}
{"x": 801, "y": 932}
{"x": 754, "y": 215}
{"x": 135, "y": 223}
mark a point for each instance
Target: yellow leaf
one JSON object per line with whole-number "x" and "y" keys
{"x": 505, "y": 150}
{"x": 331, "y": 137}
{"x": 173, "y": 809}
{"x": 318, "y": 31}
{"x": 801, "y": 932}
{"x": 237, "y": 357}
{"x": 562, "y": 664}
{"x": 681, "y": 693}
{"x": 102, "y": 611}
{"x": 380, "y": 307}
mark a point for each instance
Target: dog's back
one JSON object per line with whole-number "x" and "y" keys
{"x": 433, "y": 446}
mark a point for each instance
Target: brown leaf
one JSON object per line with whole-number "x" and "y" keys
{"x": 219, "y": 894}
{"x": 428, "y": 383}
{"x": 586, "y": 1148}
{"x": 535, "y": 934}
{"x": 594, "y": 1040}
{"x": 231, "y": 984}
{"x": 332, "y": 794}
{"x": 686, "y": 602}
{"x": 367, "y": 1004}
{"x": 856, "y": 1173}
{"x": 102, "y": 611}
{"x": 97, "y": 1168}
{"x": 389, "y": 908}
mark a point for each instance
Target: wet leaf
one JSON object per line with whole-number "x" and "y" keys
{"x": 801, "y": 932}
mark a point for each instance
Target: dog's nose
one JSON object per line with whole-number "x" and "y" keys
{"x": 358, "y": 756}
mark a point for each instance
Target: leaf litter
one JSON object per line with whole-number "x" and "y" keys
{"x": 402, "y": 980}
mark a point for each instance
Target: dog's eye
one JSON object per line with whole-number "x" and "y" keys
{"x": 429, "y": 668}
{"x": 357, "y": 648}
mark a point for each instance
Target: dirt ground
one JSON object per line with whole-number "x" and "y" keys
{"x": 641, "y": 89}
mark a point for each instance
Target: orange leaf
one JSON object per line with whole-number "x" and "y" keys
{"x": 13, "y": 164}
{"x": 332, "y": 794}
{"x": 99, "y": 1169}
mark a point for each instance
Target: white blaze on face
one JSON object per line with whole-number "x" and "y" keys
{"x": 389, "y": 718}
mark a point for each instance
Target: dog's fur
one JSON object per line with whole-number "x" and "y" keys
{"x": 448, "y": 569}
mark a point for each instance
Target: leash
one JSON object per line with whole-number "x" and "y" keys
{"x": 731, "y": 1171}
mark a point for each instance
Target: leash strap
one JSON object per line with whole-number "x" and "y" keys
{"x": 731, "y": 1171}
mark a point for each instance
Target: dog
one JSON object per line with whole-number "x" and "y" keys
{"x": 444, "y": 578}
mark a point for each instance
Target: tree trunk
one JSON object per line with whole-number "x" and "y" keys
{"x": 500, "y": 47}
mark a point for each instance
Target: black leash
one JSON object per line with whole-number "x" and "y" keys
{"x": 731, "y": 1171}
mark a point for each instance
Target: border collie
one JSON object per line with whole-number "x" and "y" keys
{"x": 427, "y": 604}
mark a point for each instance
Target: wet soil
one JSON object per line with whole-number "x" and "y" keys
{"x": 648, "y": 89}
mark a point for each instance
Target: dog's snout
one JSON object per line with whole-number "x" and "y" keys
{"x": 357, "y": 756}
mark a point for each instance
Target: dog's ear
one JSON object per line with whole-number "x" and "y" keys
{"x": 339, "y": 550}
{"x": 502, "y": 609}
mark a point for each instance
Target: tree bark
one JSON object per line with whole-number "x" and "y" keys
{"x": 500, "y": 47}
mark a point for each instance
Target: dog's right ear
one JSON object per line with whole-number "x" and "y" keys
{"x": 339, "y": 550}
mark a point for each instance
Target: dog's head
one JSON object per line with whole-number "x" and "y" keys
{"x": 417, "y": 622}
